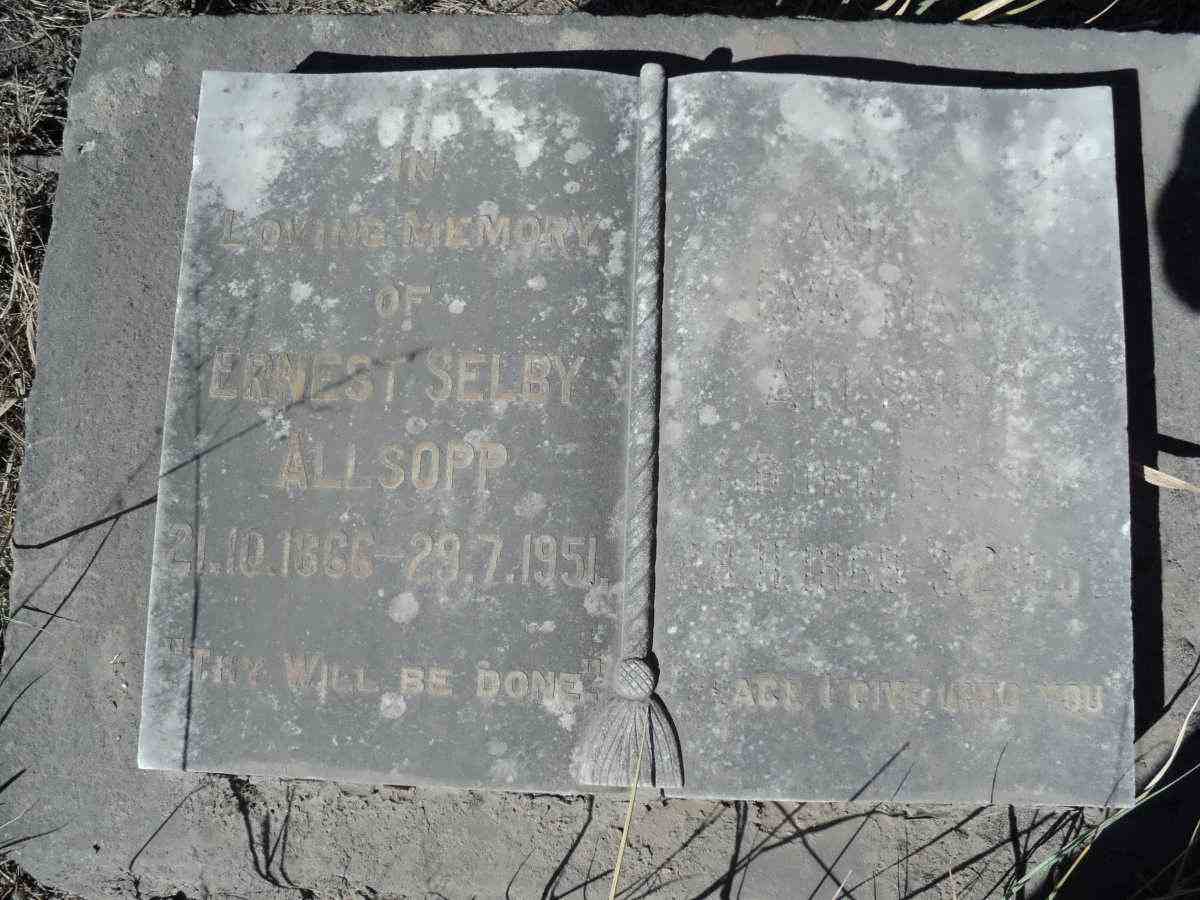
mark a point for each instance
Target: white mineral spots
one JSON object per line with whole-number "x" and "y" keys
{"x": 505, "y": 118}
{"x": 769, "y": 382}
{"x": 415, "y": 425}
{"x": 389, "y": 128}
{"x": 240, "y": 148}
{"x": 889, "y": 274}
{"x": 568, "y": 124}
{"x": 683, "y": 103}
{"x": 616, "y": 254}
{"x": 970, "y": 143}
{"x": 841, "y": 115}
{"x": 456, "y": 306}
{"x": 1051, "y": 160}
{"x": 571, "y": 187}
{"x": 872, "y": 309}
{"x": 539, "y": 627}
{"x": 708, "y": 415}
{"x": 444, "y": 126}
{"x": 300, "y": 292}
{"x": 330, "y": 134}
{"x": 403, "y": 608}
{"x": 424, "y": 122}
{"x": 562, "y": 706}
{"x": 530, "y": 505}
{"x": 672, "y": 382}
{"x": 600, "y": 601}
{"x": 496, "y": 748}
{"x": 536, "y": 283}
{"x": 674, "y": 433}
{"x": 577, "y": 152}
{"x": 391, "y": 706}
{"x": 611, "y": 311}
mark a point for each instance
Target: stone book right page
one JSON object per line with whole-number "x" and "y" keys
{"x": 893, "y": 543}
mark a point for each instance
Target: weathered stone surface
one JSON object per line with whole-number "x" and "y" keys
{"x": 94, "y": 439}
{"x": 894, "y": 515}
{"x": 392, "y": 464}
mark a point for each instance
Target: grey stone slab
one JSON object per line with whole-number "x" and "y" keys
{"x": 109, "y": 288}
{"x": 894, "y": 512}
{"x": 387, "y": 531}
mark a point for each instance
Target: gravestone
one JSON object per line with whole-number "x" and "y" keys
{"x": 894, "y": 514}
{"x": 394, "y": 518}
{"x": 394, "y": 439}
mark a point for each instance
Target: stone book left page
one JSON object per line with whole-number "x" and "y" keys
{"x": 388, "y": 539}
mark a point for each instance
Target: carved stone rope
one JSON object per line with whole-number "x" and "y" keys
{"x": 610, "y": 746}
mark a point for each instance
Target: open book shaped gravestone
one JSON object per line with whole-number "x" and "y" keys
{"x": 445, "y": 500}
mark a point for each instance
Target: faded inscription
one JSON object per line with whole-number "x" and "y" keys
{"x": 393, "y": 450}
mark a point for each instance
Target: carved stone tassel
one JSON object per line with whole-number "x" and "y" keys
{"x": 632, "y": 708}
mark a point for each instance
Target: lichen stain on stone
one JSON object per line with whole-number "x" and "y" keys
{"x": 403, "y": 608}
{"x": 113, "y": 99}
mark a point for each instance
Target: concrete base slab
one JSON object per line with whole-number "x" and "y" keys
{"x": 86, "y": 506}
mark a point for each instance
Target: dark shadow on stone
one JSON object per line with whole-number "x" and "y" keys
{"x": 508, "y": 889}
{"x": 740, "y": 862}
{"x": 1188, "y": 679}
{"x": 629, "y": 62}
{"x": 163, "y": 824}
{"x": 1142, "y": 849}
{"x": 1145, "y": 542}
{"x": 268, "y": 846}
{"x": 622, "y": 62}
{"x": 1177, "y": 216}
{"x": 1177, "y": 447}
{"x": 742, "y": 817}
{"x": 56, "y": 612}
{"x": 773, "y": 841}
{"x": 550, "y": 890}
{"x": 649, "y": 883}
{"x": 1024, "y": 843}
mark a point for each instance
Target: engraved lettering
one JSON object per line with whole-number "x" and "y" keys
{"x": 228, "y": 223}
{"x": 325, "y": 363}
{"x": 360, "y": 386}
{"x": 220, "y": 386}
{"x": 438, "y": 363}
{"x": 535, "y": 383}
{"x": 468, "y": 364}
{"x": 567, "y": 375}
{"x": 494, "y": 230}
{"x": 293, "y": 474}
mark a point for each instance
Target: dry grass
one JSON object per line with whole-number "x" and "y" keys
{"x": 16, "y": 885}
{"x": 25, "y": 198}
